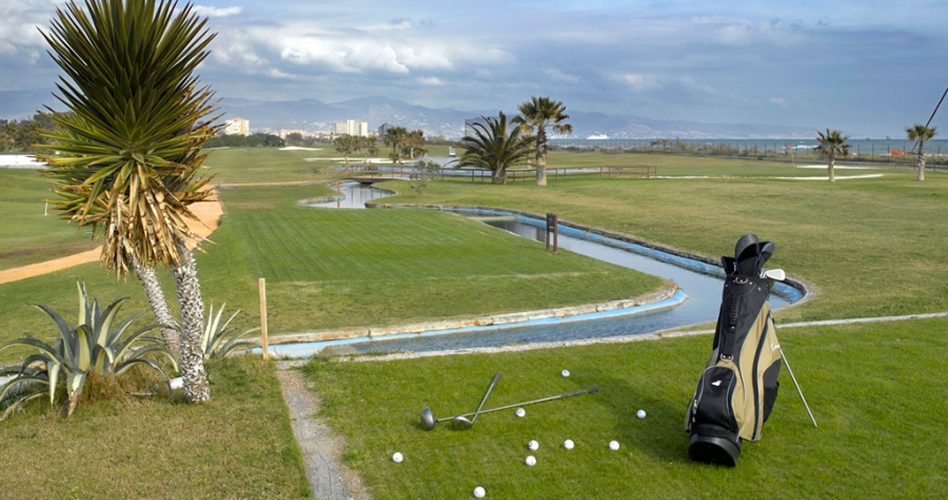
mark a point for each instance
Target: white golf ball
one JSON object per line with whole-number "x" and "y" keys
{"x": 613, "y": 445}
{"x": 568, "y": 444}
{"x": 531, "y": 460}
{"x": 640, "y": 414}
{"x": 479, "y": 492}
{"x": 521, "y": 412}
{"x": 565, "y": 373}
{"x": 397, "y": 457}
{"x": 533, "y": 445}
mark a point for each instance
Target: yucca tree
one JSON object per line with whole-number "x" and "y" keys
{"x": 396, "y": 137}
{"x": 128, "y": 154}
{"x": 920, "y": 133}
{"x": 493, "y": 147}
{"x": 831, "y": 144}
{"x": 535, "y": 116}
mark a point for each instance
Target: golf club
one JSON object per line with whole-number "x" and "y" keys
{"x": 428, "y": 420}
{"x": 461, "y": 423}
{"x": 774, "y": 274}
{"x": 766, "y": 251}
{"x": 745, "y": 255}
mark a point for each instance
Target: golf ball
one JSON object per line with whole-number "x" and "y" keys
{"x": 568, "y": 444}
{"x": 521, "y": 412}
{"x": 640, "y": 414}
{"x": 479, "y": 492}
{"x": 531, "y": 460}
{"x": 397, "y": 457}
{"x": 533, "y": 445}
{"x": 613, "y": 445}
{"x": 565, "y": 373}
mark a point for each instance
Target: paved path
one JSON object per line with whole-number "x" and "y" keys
{"x": 322, "y": 448}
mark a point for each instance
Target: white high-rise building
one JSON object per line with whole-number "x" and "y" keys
{"x": 236, "y": 126}
{"x": 352, "y": 127}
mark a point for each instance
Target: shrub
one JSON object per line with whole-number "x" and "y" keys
{"x": 101, "y": 344}
{"x": 221, "y": 340}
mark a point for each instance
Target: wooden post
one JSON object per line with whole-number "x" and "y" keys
{"x": 264, "y": 339}
{"x": 556, "y": 232}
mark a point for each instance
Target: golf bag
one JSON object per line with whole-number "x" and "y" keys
{"x": 737, "y": 390}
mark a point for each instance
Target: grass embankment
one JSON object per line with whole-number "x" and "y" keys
{"x": 872, "y": 389}
{"x": 238, "y": 445}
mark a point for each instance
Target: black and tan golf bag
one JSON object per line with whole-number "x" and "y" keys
{"x": 738, "y": 388}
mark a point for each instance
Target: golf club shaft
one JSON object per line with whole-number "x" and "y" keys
{"x": 525, "y": 403}
{"x": 797, "y": 385}
{"x": 484, "y": 400}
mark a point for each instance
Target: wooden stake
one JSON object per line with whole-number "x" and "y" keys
{"x": 264, "y": 340}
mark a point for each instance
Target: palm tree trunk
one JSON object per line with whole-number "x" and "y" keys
{"x": 541, "y": 166}
{"x": 191, "y": 358}
{"x": 159, "y": 306}
{"x": 499, "y": 177}
{"x": 921, "y": 160}
{"x": 832, "y": 173}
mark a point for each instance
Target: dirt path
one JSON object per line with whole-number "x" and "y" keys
{"x": 208, "y": 212}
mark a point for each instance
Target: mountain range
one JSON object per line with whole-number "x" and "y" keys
{"x": 314, "y": 115}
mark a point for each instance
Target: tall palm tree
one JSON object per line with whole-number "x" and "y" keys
{"x": 831, "y": 144}
{"x": 128, "y": 154}
{"x": 921, "y": 133}
{"x": 493, "y": 147}
{"x": 538, "y": 114}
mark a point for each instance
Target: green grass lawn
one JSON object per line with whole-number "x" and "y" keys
{"x": 876, "y": 392}
{"x": 238, "y": 445}
{"x": 870, "y": 247}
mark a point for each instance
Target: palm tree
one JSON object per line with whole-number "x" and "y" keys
{"x": 921, "y": 133}
{"x": 396, "y": 138}
{"x": 492, "y": 147}
{"x": 128, "y": 155}
{"x": 832, "y": 143}
{"x": 538, "y": 114}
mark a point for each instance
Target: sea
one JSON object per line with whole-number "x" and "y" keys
{"x": 872, "y": 147}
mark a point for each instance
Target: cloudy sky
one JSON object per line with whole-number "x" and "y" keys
{"x": 866, "y": 67}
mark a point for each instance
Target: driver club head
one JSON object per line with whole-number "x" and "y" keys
{"x": 461, "y": 423}
{"x": 427, "y": 419}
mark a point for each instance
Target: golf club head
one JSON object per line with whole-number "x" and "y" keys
{"x": 461, "y": 423}
{"x": 427, "y": 419}
{"x": 775, "y": 274}
{"x": 766, "y": 251}
{"x": 745, "y": 253}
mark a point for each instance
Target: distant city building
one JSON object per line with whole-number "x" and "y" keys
{"x": 352, "y": 127}
{"x": 236, "y": 126}
{"x": 384, "y": 128}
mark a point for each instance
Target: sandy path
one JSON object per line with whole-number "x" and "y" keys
{"x": 209, "y": 213}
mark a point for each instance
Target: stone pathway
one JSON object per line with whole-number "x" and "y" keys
{"x": 322, "y": 448}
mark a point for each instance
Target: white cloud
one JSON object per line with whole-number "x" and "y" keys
{"x": 431, "y": 81}
{"x": 206, "y": 11}
{"x": 642, "y": 83}
{"x": 779, "y": 101}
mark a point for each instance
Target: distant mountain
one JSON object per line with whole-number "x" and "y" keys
{"x": 315, "y": 115}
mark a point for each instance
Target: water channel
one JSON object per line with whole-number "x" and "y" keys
{"x": 697, "y": 302}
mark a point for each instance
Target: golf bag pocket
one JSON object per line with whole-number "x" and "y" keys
{"x": 711, "y": 410}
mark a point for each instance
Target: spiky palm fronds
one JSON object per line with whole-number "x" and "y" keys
{"x": 128, "y": 154}
{"x": 494, "y": 147}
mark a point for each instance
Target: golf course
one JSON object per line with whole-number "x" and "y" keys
{"x": 868, "y": 346}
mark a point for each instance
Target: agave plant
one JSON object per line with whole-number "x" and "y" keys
{"x": 220, "y": 339}
{"x": 101, "y": 343}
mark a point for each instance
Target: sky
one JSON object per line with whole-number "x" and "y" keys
{"x": 869, "y": 68}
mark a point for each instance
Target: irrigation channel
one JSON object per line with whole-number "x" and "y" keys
{"x": 697, "y": 300}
